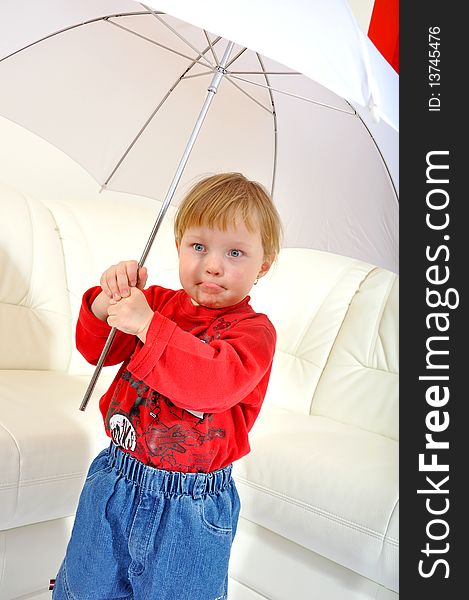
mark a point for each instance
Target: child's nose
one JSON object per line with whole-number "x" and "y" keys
{"x": 214, "y": 264}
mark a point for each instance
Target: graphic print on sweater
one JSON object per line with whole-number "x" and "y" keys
{"x": 122, "y": 432}
{"x": 154, "y": 427}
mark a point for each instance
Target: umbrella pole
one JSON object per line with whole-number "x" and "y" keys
{"x": 212, "y": 90}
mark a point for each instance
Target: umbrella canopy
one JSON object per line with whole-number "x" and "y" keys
{"x": 120, "y": 87}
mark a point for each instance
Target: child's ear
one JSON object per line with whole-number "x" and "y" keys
{"x": 264, "y": 268}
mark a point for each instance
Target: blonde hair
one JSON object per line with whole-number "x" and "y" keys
{"x": 227, "y": 198}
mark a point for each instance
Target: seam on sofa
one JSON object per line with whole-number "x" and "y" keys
{"x": 325, "y": 300}
{"x": 338, "y": 364}
{"x": 24, "y": 300}
{"x": 19, "y": 464}
{"x": 360, "y": 365}
{"x": 383, "y": 563}
{"x": 389, "y": 521}
{"x": 387, "y": 371}
{"x": 321, "y": 512}
{"x": 28, "y": 482}
{"x": 3, "y": 555}
{"x": 67, "y": 212}
{"x": 379, "y": 318}
{"x": 29, "y": 294}
{"x": 365, "y": 277}
{"x": 65, "y": 273}
{"x": 248, "y": 587}
{"x": 36, "y": 309}
{"x": 300, "y": 358}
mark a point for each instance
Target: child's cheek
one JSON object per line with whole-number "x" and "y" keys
{"x": 238, "y": 276}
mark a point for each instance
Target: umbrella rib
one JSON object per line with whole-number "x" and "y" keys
{"x": 197, "y": 75}
{"x": 388, "y": 172}
{"x": 163, "y": 22}
{"x": 163, "y": 100}
{"x": 265, "y": 73}
{"x": 107, "y": 18}
{"x": 147, "y": 39}
{"x": 274, "y": 114}
{"x": 212, "y": 48}
{"x": 269, "y": 87}
{"x": 236, "y": 57}
{"x": 228, "y": 78}
{"x": 65, "y": 29}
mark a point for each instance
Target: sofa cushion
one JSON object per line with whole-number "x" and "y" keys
{"x": 328, "y": 486}
{"x": 360, "y": 382}
{"x": 99, "y": 232}
{"x": 277, "y": 568}
{"x": 306, "y": 295}
{"x": 35, "y": 322}
{"x": 46, "y": 444}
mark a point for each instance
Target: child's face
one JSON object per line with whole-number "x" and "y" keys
{"x": 218, "y": 268}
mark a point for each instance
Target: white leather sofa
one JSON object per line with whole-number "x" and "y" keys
{"x": 319, "y": 489}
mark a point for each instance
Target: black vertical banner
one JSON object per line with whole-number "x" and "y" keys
{"x": 434, "y": 253}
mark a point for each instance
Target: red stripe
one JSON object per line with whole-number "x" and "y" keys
{"x": 384, "y": 30}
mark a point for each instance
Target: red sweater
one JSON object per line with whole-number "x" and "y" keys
{"x": 185, "y": 399}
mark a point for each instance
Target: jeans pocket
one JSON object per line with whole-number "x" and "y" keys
{"x": 216, "y": 513}
{"x": 98, "y": 465}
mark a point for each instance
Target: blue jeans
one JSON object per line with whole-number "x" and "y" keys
{"x": 145, "y": 534}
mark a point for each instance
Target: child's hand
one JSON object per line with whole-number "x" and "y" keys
{"x": 118, "y": 279}
{"x": 132, "y": 314}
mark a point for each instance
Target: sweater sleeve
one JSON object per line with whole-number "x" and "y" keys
{"x": 205, "y": 377}
{"x": 91, "y": 335}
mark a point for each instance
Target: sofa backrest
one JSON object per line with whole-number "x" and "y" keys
{"x": 360, "y": 382}
{"x": 99, "y": 232}
{"x": 35, "y": 323}
{"x": 337, "y": 349}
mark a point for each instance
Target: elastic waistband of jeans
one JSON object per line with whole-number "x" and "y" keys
{"x": 168, "y": 482}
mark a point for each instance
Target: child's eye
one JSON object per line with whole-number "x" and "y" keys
{"x": 235, "y": 253}
{"x": 198, "y": 247}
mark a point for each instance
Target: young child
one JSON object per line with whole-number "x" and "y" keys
{"x": 159, "y": 508}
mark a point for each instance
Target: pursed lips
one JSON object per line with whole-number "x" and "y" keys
{"x": 209, "y": 286}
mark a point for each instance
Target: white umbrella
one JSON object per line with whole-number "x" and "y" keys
{"x": 119, "y": 87}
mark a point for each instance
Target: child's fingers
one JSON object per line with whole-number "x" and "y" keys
{"x": 110, "y": 279}
{"x": 142, "y": 278}
{"x": 123, "y": 280}
{"x": 118, "y": 279}
{"x": 106, "y": 284}
{"x": 132, "y": 272}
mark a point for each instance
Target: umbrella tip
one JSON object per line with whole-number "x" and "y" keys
{"x": 374, "y": 111}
